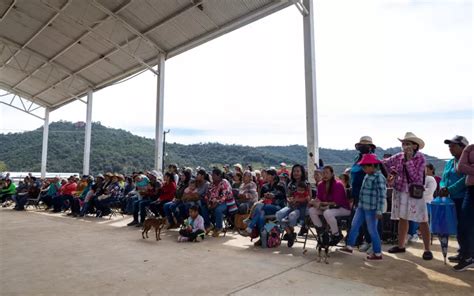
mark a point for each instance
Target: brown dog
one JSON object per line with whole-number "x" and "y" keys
{"x": 157, "y": 223}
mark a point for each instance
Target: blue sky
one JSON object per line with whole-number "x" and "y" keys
{"x": 383, "y": 68}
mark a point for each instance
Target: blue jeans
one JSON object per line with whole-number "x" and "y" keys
{"x": 129, "y": 208}
{"x": 370, "y": 217}
{"x": 292, "y": 214}
{"x": 171, "y": 209}
{"x": 258, "y": 217}
{"x": 466, "y": 225}
{"x": 139, "y": 207}
{"x": 205, "y": 213}
{"x": 218, "y": 215}
{"x": 412, "y": 227}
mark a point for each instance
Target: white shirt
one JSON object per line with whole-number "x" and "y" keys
{"x": 430, "y": 188}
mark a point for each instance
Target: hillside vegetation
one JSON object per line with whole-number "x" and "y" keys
{"x": 118, "y": 150}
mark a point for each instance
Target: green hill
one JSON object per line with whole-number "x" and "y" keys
{"x": 120, "y": 151}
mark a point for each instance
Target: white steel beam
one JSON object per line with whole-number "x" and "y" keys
{"x": 88, "y": 133}
{"x": 58, "y": 12}
{"x": 80, "y": 38}
{"x": 310, "y": 89}
{"x": 8, "y": 10}
{"x": 160, "y": 85}
{"x": 131, "y": 28}
{"x": 103, "y": 37}
{"x": 24, "y": 95}
{"x": 231, "y": 26}
{"x": 38, "y": 55}
{"x": 44, "y": 150}
{"x": 145, "y": 32}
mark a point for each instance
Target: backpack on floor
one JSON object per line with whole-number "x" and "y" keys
{"x": 273, "y": 235}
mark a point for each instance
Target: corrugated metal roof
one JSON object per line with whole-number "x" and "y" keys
{"x": 53, "y": 51}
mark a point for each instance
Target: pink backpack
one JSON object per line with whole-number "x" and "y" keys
{"x": 274, "y": 239}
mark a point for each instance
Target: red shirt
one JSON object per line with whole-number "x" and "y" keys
{"x": 167, "y": 192}
{"x": 68, "y": 189}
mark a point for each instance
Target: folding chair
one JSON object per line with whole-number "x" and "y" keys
{"x": 115, "y": 209}
{"x": 33, "y": 201}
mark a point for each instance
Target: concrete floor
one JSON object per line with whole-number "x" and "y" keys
{"x": 52, "y": 254}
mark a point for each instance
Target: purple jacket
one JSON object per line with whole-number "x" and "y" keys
{"x": 337, "y": 194}
{"x": 415, "y": 168}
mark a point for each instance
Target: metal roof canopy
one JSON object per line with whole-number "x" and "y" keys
{"x": 53, "y": 51}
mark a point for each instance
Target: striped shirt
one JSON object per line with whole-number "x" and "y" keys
{"x": 373, "y": 192}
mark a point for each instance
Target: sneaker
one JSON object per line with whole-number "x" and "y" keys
{"x": 345, "y": 250}
{"x": 464, "y": 265}
{"x": 396, "y": 249}
{"x": 182, "y": 239}
{"x": 209, "y": 229}
{"x": 407, "y": 239}
{"x": 364, "y": 247}
{"x": 427, "y": 255}
{"x": 373, "y": 257}
{"x": 413, "y": 238}
{"x": 133, "y": 223}
{"x": 455, "y": 259}
{"x": 139, "y": 225}
{"x": 216, "y": 232}
{"x": 370, "y": 250}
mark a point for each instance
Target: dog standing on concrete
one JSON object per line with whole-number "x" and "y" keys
{"x": 157, "y": 223}
{"x": 324, "y": 242}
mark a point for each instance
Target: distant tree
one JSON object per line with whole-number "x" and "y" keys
{"x": 3, "y": 166}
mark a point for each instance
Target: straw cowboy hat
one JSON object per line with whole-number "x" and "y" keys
{"x": 409, "y": 136}
{"x": 365, "y": 140}
{"x": 238, "y": 165}
{"x": 369, "y": 159}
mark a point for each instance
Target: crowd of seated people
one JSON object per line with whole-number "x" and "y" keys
{"x": 217, "y": 197}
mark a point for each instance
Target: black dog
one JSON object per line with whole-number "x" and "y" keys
{"x": 324, "y": 242}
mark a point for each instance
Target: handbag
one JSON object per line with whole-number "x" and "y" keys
{"x": 414, "y": 190}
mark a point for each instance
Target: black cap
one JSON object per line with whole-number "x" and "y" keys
{"x": 460, "y": 140}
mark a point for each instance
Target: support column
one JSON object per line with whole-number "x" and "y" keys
{"x": 44, "y": 151}
{"x": 160, "y": 86}
{"x": 87, "y": 139}
{"x": 310, "y": 88}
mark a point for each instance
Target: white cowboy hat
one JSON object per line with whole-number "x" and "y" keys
{"x": 409, "y": 136}
{"x": 365, "y": 140}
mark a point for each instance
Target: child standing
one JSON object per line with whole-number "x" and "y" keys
{"x": 370, "y": 208}
{"x": 194, "y": 226}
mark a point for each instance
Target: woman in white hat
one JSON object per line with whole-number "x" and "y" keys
{"x": 407, "y": 168}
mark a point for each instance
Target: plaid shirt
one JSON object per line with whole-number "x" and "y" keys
{"x": 415, "y": 168}
{"x": 373, "y": 192}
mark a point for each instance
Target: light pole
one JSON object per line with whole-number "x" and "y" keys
{"x": 164, "y": 147}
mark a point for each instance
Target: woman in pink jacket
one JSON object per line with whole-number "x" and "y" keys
{"x": 407, "y": 168}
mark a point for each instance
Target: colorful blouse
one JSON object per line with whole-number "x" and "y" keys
{"x": 415, "y": 168}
